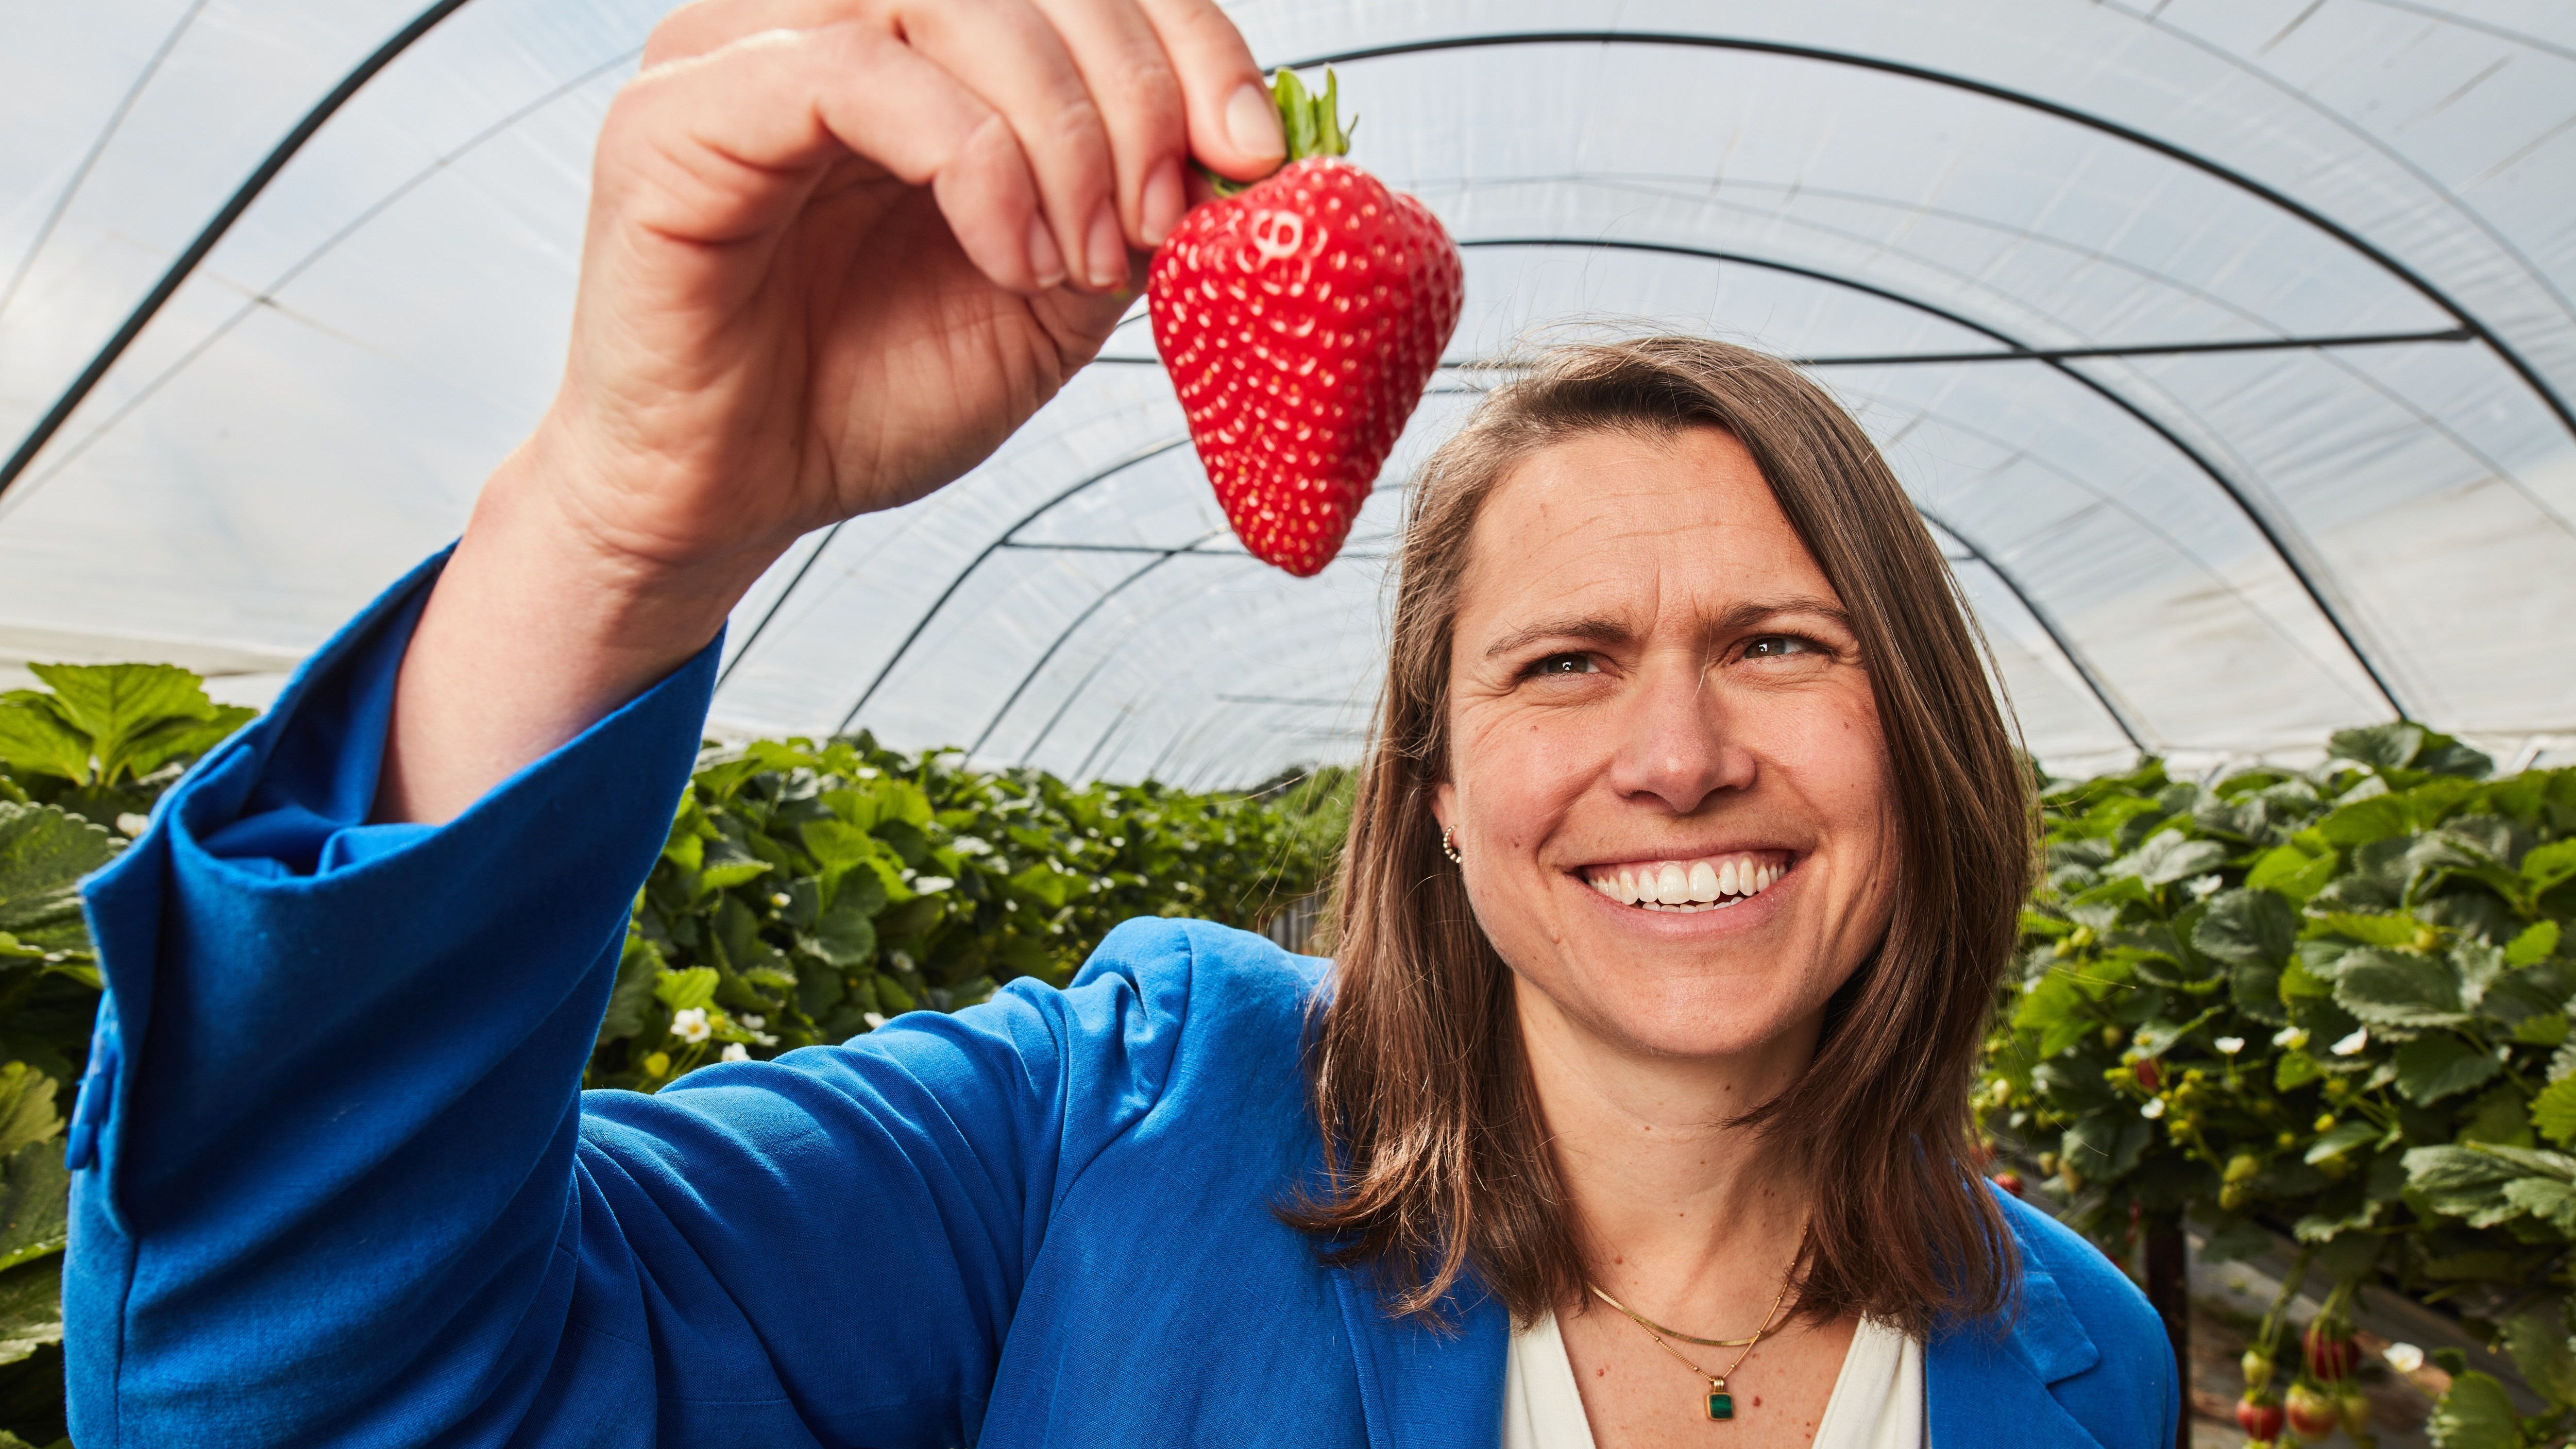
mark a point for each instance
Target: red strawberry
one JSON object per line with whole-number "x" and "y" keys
{"x": 2332, "y": 1355}
{"x": 2259, "y": 1420}
{"x": 1300, "y": 319}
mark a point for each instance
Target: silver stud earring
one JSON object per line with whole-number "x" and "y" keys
{"x": 1448, "y": 849}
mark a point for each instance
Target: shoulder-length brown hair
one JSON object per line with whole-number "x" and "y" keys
{"x": 1418, "y": 1077}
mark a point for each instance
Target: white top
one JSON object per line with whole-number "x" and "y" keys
{"x": 1877, "y": 1402}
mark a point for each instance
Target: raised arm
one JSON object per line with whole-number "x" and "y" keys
{"x": 837, "y": 251}
{"x": 333, "y": 1180}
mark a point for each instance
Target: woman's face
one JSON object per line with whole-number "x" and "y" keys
{"x": 1667, "y": 776}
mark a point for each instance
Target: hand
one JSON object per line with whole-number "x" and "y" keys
{"x": 838, "y": 250}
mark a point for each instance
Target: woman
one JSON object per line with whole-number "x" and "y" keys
{"x": 1685, "y": 863}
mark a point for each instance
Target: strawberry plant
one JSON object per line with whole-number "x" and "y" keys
{"x": 2331, "y": 1004}
{"x": 1300, "y": 319}
{"x": 809, "y": 891}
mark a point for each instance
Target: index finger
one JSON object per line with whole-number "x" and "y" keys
{"x": 1234, "y": 122}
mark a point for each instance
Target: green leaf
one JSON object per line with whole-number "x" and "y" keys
{"x": 2247, "y": 928}
{"x": 2055, "y": 1010}
{"x": 684, "y": 990}
{"x": 2537, "y": 1340}
{"x": 2534, "y": 945}
{"x": 44, "y": 852}
{"x": 2292, "y": 873}
{"x": 846, "y": 935}
{"x": 639, "y": 971}
{"x": 2475, "y": 1414}
{"x": 35, "y": 741}
{"x": 136, "y": 715}
{"x": 2385, "y": 988}
{"x": 2547, "y": 1199}
{"x": 31, "y": 1309}
{"x": 2553, "y": 1112}
{"x": 2296, "y": 1070}
{"x": 2379, "y": 747}
{"x": 837, "y": 845}
{"x": 2548, "y": 865}
{"x": 2375, "y": 929}
{"x": 2170, "y": 856}
{"x": 2380, "y": 817}
{"x": 2344, "y": 1137}
{"x": 26, "y": 1107}
{"x": 2438, "y": 1065}
{"x": 35, "y": 1203}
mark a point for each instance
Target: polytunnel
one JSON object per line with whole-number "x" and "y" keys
{"x": 2225, "y": 345}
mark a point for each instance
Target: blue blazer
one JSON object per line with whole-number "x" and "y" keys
{"x": 337, "y": 1184}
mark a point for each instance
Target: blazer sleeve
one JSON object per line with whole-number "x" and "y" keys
{"x": 336, "y": 1181}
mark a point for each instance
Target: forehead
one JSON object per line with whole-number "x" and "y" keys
{"x": 1636, "y": 526}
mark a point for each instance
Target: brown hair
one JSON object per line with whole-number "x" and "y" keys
{"x": 1442, "y": 1168}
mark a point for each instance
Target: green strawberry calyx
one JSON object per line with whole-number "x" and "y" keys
{"x": 1312, "y": 122}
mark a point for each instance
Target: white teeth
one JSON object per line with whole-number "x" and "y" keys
{"x": 1700, "y": 885}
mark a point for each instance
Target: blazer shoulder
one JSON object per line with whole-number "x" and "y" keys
{"x": 1195, "y": 966}
{"x": 2115, "y": 1314}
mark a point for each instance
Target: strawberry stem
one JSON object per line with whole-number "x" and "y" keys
{"x": 1313, "y": 124}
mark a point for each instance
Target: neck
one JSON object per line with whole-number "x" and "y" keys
{"x": 1672, "y": 1205}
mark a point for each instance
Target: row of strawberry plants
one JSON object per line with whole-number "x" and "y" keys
{"x": 806, "y": 892}
{"x": 2327, "y": 1005}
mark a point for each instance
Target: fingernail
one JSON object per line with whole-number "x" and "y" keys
{"x": 1252, "y": 124}
{"x": 1106, "y": 249}
{"x": 1044, "y": 260}
{"x": 1165, "y": 200}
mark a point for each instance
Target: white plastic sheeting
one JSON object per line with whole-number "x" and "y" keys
{"x": 2201, "y": 552}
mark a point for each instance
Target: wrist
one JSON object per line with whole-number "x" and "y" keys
{"x": 539, "y": 539}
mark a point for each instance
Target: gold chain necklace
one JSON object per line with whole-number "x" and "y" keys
{"x": 1721, "y": 1403}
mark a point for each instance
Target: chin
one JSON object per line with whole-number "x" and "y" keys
{"x": 1713, "y": 1011}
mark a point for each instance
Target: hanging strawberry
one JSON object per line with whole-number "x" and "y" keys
{"x": 1300, "y": 319}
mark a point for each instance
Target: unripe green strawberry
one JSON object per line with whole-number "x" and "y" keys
{"x": 1300, "y": 320}
{"x": 2313, "y": 1413}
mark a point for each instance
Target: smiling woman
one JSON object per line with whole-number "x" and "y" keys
{"x": 1682, "y": 686}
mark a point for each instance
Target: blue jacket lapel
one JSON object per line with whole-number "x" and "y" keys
{"x": 1982, "y": 1387}
{"x": 1422, "y": 1388}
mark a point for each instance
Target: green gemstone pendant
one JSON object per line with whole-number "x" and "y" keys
{"x": 1721, "y": 1404}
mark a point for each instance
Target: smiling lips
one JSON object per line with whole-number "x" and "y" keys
{"x": 1710, "y": 884}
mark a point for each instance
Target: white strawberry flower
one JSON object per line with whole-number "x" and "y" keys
{"x": 2406, "y": 1358}
{"x": 736, "y": 1052}
{"x": 2155, "y": 1108}
{"x": 691, "y": 1025}
{"x": 2353, "y": 1043}
{"x": 2230, "y": 1045}
{"x": 874, "y": 1019}
{"x": 2293, "y": 1037}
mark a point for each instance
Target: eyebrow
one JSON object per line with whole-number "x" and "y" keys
{"x": 1603, "y": 629}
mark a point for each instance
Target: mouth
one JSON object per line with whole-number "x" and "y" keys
{"x": 1708, "y": 883}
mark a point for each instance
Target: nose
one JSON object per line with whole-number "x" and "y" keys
{"x": 1673, "y": 745}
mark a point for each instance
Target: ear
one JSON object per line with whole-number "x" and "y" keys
{"x": 1444, "y": 804}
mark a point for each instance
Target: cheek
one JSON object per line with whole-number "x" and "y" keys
{"x": 1517, "y": 770}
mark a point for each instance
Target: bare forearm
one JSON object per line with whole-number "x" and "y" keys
{"x": 531, "y": 636}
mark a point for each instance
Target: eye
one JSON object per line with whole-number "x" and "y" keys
{"x": 1782, "y": 646}
{"x": 1566, "y": 664}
